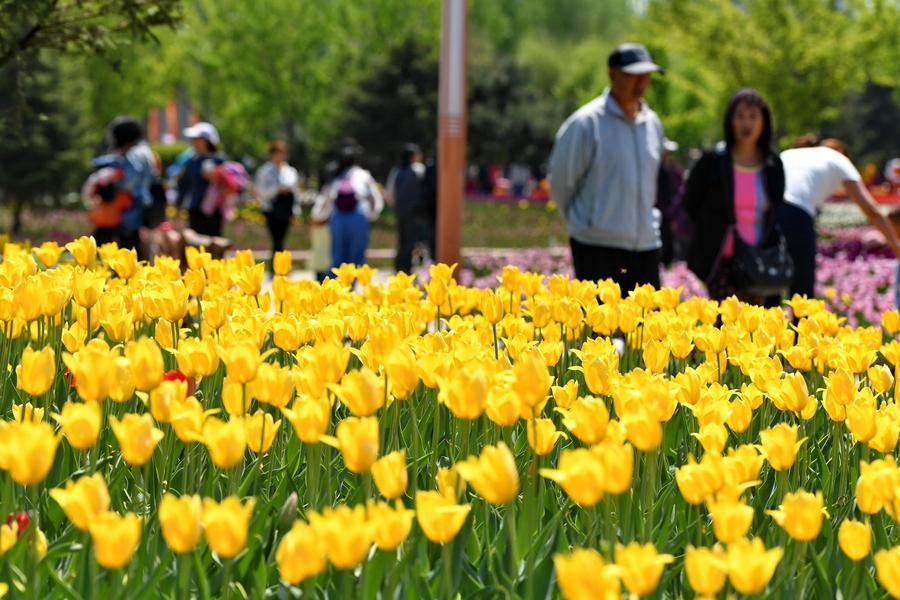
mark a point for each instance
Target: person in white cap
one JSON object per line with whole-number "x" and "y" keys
{"x": 197, "y": 173}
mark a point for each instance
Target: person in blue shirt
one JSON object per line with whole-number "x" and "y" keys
{"x": 133, "y": 156}
{"x": 196, "y": 175}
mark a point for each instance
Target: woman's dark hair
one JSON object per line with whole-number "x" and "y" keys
{"x": 749, "y": 97}
{"x": 409, "y": 152}
{"x": 349, "y": 154}
{"x": 124, "y": 131}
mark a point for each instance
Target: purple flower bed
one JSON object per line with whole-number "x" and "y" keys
{"x": 855, "y": 272}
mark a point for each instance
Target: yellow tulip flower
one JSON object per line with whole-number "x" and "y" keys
{"x": 181, "y": 520}
{"x": 440, "y": 517}
{"x": 27, "y": 451}
{"x": 357, "y": 439}
{"x": 750, "y": 565}
{"x": 706, "y": 569}
{"x": 83, "y": 500}
{"x": 390, "y": 525}
{"x": 137, "y": 437}
{"x": 80, "y": 422}
{"x": 390, "y": 474}
{"x": 84, "y": 250}
{"x": 542, "y": 435}
{"x": 800, "y": 514}
{"x": 226, "y": 524}
{"x": 115, "y": 538}
{"x": 309, "y": 418}
{"x": 260, "y": 429}
{"x": 362, "y": 391}
{"x": 779, "y": 444}
{"x": 887, "y": 568}
{"x": 580, "y": 474}
{"x": 300, "y": 554}
{"x": 855, "y": 539}
{"x": 35, "y": 372}
{"x": 493, "y": 474}
{"x": 225, "y": 440}
{"x": 640, "y": 566}
{"x": 584, "y": 575}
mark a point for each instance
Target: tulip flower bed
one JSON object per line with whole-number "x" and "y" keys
{"x": 174, "y": 433}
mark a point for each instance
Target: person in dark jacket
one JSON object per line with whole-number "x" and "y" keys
{"x": 198, "y": 171}
{"x": 405, "y": 190}
{"x": 735, "y": 190}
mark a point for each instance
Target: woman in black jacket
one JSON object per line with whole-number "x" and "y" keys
{"x": 735, "y": 190}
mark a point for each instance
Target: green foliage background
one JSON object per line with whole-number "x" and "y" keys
{"x": 312, "y": 72}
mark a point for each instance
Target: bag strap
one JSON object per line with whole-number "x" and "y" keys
{"x": 727, "y": 176}
{"x": 720, "y": 256}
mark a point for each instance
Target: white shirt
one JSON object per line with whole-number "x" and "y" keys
{"x": 270, "y": 179}
{"x": 811, "y": 175}
{"x": 370, "y": 201}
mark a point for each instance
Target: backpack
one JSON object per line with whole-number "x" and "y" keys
{"x": 104, "y": 188}
{"x": 346, "y": 200}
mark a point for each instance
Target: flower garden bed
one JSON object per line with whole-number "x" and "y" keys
{"x": 176, "y": 434}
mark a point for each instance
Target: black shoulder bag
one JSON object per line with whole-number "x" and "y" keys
{"x": 760, "y": 270}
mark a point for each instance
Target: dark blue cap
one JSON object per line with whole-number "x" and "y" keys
{"x": 633, "y": 59}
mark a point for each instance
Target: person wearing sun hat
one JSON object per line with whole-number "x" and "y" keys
{"x": 197, "y": 173}
{"x": 603, "y": 176}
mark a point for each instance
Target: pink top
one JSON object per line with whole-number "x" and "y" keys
{"x": 749, "y": 207}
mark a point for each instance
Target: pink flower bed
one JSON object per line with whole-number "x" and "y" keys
{"x": 855, "y": 273}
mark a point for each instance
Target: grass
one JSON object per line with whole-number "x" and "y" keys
{"x": 485, "y": 224}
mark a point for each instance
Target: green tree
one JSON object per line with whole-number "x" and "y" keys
{"x": 86, "y": 26}
{"x": 42, "y": 151}
{"x": 394, "y": 104}
{"x": 803, "y": 55}
{"x": 285, "y": 68}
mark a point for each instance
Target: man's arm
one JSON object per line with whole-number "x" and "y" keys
{"x": 858, "y": 192}
{"x": 569, "y": 161}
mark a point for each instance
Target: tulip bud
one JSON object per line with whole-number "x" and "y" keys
{"x": 288, "y": 513}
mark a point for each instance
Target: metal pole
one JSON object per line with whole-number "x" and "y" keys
{"x": 451, "y": 168}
